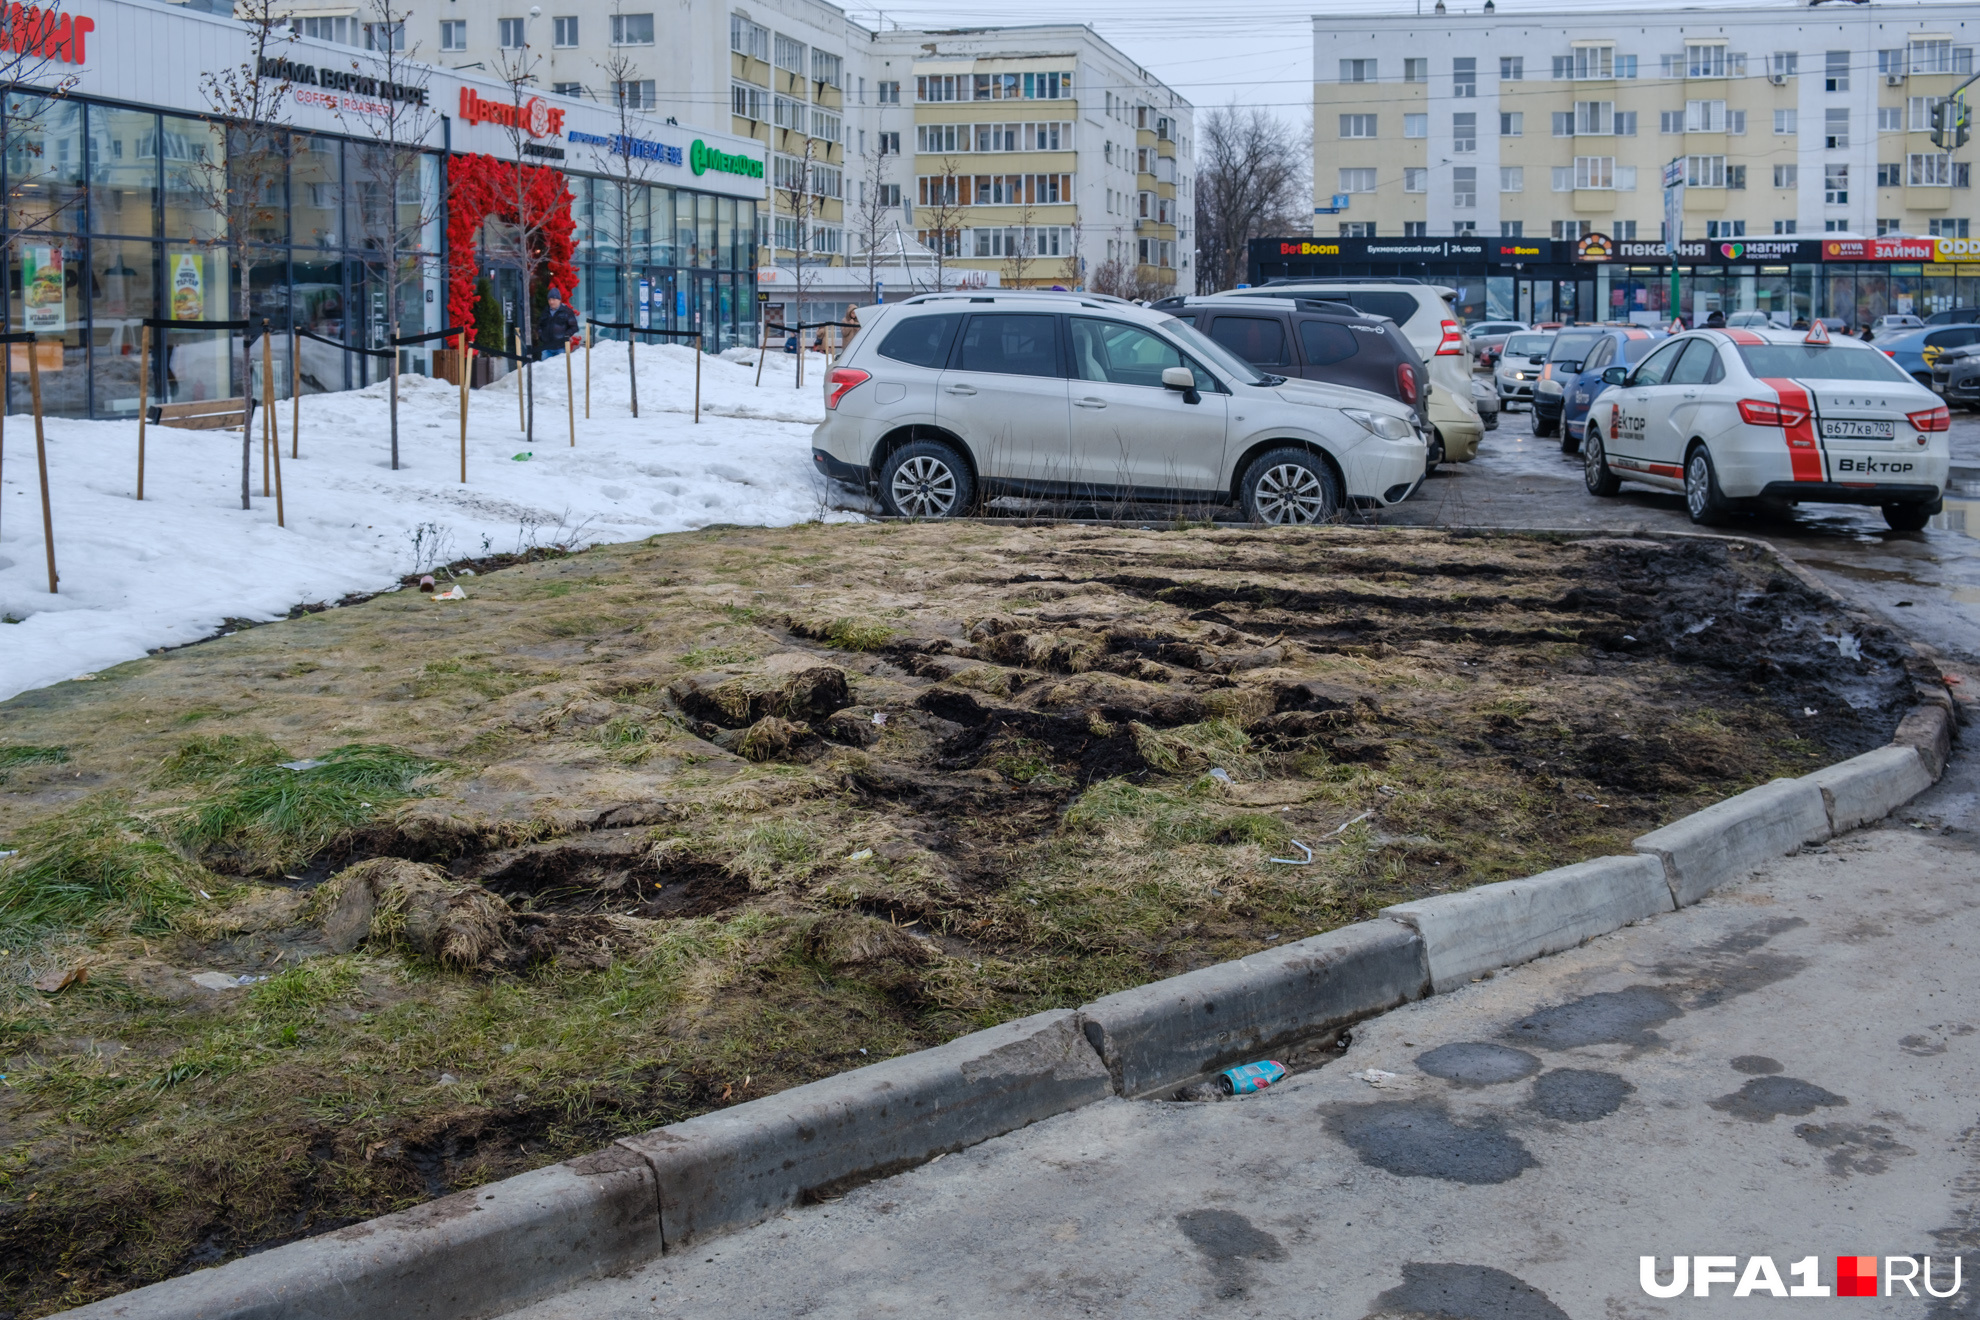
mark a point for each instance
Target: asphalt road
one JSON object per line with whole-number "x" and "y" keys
{"x": 1789, "y": 1069}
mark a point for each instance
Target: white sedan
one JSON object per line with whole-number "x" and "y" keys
{"x": 1735, "y": 418}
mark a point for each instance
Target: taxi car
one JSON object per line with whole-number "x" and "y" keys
{"x": 1742, "y": 418}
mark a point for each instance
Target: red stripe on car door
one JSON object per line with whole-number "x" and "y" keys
{"x": 1804, "y": 458}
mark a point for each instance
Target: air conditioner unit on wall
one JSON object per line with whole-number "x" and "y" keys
{"x": 1778, "y": 79}
{"x": 1893, "y": 80}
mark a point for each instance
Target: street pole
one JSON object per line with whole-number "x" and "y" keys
{"x": 1674, "y": 227}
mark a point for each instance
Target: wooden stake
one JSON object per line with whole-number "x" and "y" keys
{"x": 632, "y": 370}
{"x": 395, "y": 401}
{"x": 267, "y": 442}
{"x": 570, "y": 396}
{"x": 697, "y": 380}
{"x": 467, "y": 371}
{"x": 515, "y": 341}
{"x": 268, "y": 407}
{"x": 762, "y": 342}
{"x": 295, "y": 393}
{"x": 587, "y": 371}
{"x": 144, "y": 399}
{"x": 41, "y": 457}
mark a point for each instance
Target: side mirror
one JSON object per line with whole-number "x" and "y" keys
{"x": 1538, "y": 359}
{"x": 1178, "y": 378}
{"x": 1615, "y": 375}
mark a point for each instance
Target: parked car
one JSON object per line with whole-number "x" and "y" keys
{"x": 1488, "y": 337}
{"x": 1892, "y": 325}
{"x": 1918, "y": 350}
{"x": 1486, "y": 400}
{"x": 1425, "y": 315}
{"x": 1756, "y": 320}
{"x": 1566, "y": 360}
{"x": 948, "y": 398}
{"x": 1954, "y": 316}
{"x": 1309, "y": 340}
{"x": 1519, "y": 366}
{"x": 1956, "y": 377}
{"x": 1736, "y": 417}
{"x": 1580, "y": 389}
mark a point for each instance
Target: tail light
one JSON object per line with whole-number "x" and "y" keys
{"x": 1763, "y": 412}
{"x": 841, "y": 380}
{"x": 1931, "y": 419}
{"x": 1453, "y": 339}
{"x": 1406, "y": 382}
{"x": 1888, "y": 353}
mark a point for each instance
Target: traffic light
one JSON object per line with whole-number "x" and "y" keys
{"x": 1952, "y": 124}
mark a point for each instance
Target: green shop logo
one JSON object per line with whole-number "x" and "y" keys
{"x": 703, "y": 158}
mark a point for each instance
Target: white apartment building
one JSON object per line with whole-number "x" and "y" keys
{"x": 1789, "y": 119}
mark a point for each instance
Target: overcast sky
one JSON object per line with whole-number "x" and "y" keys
{"x": 1212, "y": 53}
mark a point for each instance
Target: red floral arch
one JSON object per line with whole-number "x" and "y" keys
{"x": 482, "y": 186}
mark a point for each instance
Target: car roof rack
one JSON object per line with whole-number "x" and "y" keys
{"x": 1339, "y": 279}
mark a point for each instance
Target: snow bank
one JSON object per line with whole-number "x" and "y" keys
{"x": 136, "y": 576}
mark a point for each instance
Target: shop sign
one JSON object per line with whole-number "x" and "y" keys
{"x": 1427, "y": 248}
{"x": 620, "y": 144}
{"x": 1523, "y": 249}
{"x": 1879, "y": 249}
{"x": 44, "y": 34}
{"x": 703, "y": 158}
{"x": 1595, "y": 247}
{"x": 1956, "y": 249}
{"x": 533, "y": 116}
{"x": 47, "y": 295}
{"x": 188, "y": 294}
{"x": 1713, "y": 251}
{"x": 339, "y": 80}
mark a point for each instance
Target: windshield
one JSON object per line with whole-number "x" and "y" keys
{"x": 1819, "y": 362}
{"x": 1528, "y": 345}
{"x": 1213, "y": 352}
{"x": 1571, "y": 348}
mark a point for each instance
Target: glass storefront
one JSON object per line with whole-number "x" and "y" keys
{"x": 114, "y": 218}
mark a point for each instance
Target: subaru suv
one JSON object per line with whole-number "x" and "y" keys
{"x": 947, "y": 399}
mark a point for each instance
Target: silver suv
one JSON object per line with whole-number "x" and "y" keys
{"x": 946, "y": 399}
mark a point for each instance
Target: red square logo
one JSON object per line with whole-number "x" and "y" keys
{"x": 1856, "y": 1276}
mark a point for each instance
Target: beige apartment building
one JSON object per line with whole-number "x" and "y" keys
{"x": 1784, "y": 120}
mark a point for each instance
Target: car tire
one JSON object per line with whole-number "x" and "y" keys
{"x": 1703, "y": 500}
{"x": 1908, "y": 517}
{"x": 1436, "y": 451}
{"x": 1544, "y": 427}
{"x": 926, "y": 479}
{"x": 1289, "y": 487}
{"x": 1570, "y": 445}
{"x": 1595, "y": 473}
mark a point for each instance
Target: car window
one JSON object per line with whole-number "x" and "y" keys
{"x": 1197, "y": 342}
{"x": 1398, "y": 307}
{"x": 922, "y": 341}
{"x": 1010, "y": 344}
{"x": 1635, "y": 350}
{"x": 1658, "y": 364}
{"x": 1259, "y": 340}
{"x": 1820, "y": 362}
{"x": 1187, "y": 318}
{"x": 1327, "y": 342}
{"x": 1695, "y": 368}
{"x": 1528, "y": 345}
{"x": 1950, "y": 338}
{"x": 1120, "y": 354}
{"x": 1598, "y": 356}
{"x": 1571, "y": 348}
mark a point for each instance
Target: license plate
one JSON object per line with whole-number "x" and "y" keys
{"x": 1847, "y": 430}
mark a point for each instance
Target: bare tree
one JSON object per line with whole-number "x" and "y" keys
{"x": 796, "y": 189}
{"x": 879, "y": 202}
{"x": 517, "y": 70}
{"x": 392, "y": 200}
{"x": 245, "y": 185}
{"x": 631, "y": 168}
{"x": 1019, "y": 257}
{"x": 1124, "y": 279}
{"x": 1252, "y": 180}
{"x": 940, "y": 214}
{"x": 1074, "y": 272}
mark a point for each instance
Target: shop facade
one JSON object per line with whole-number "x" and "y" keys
{"x": 1605, "y": 279}
{"x": 111, "y": 217}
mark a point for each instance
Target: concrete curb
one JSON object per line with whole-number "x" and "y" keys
{"x": 743, "y": 1164}
{"x": 1709, "y": 847}
{"x": 1491, "y": 926}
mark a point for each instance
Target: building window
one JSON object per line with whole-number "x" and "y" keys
{"x": 1358, "y": 181}
{"x": 571, "y": 89}
{"x": 1512, "y": 123}
{"x": 1669, "y": 121}
{"x": 509, "y": 33}
{"x": 1626, "y": 228}
{"x": 1705, "y": 171}
{"x": 747, "y": 38}
{"x": 890, "y": 143}
{"x": 889, "y": 93}
{"x": 1563, "y": 123}
{"x": 1835, "y": 185}
{"x": 1784, "y": 125}
{"x": 1704, "y": 116}
{"x": 1594, "y": 118}
{"x": 748, "y": 101}
{"x": 1594, "y": 62}
{"x": 1736, "y": 122}
{"x": 827, "y": 127}
{"x": 1595, "y": 172}
{"x": 1725, "y": 229}
{"x": 1464, "y": 77}
{"x": 1835, "y": 226}
{"x": 1786, "y": 176}
{"x": 1625, "y": 66}
{"x": 1357, "y": 229}
{"x": 1918, "y": 110}
{"x": 1625, "y": 123}
{"x": 1783, "y": 63}
{"x": 1512, "y": 68}
{"x": 1414, "y": 126}
{"x": 1357, "y": 126}
{"x": 1563, "y": 67}
{"x": 1563, "y": 178}
{"x": 1929, "y": 169}
{"x": 1890, "y": 176}
{"x": 1464, "y": 132}
{"x": 1835, "y": 128}
{"x": 1704, "y": 61}
{"x": 1890, "y": 119}
{"x": 1836, "y": 71}
{"x": 1571, "y": 231}
{"x": 635, "y": 94}
{"x": 1415, "y": 229}
{"x": 632, "y": 29}
{"x": 786, "y": 113}
{"x": 1416, "y": 70}
{"x": 1784, "y": 226}
{"x": 1512, "y": 178}
{"x": 1885, "y": 226}
{"x": 1512, "y": 229}
{"x": 941, "y": 87}
{"x": 789, "y": 52}
{"x": 1461, "y": 228}
{"x": 453, "y": 34}
{"x": 564, "y": 32}
{"x": 1736, "y": 178}
{"x": 1927, "y": 57}
{"x": 826, "y": 68}
{"x": 377, "y": 35}
{"x": 1416, "y": 179}
{"x": 1357, "y": 71}
{"x": 1464, "y": 187}
{"x": 1947, "y": 228}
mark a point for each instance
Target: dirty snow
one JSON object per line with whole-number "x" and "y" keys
{"x": 137, "y": 576}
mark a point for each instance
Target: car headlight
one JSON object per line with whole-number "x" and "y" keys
{"x": 1381, "y": 424}
{"x": 1549, "y": 387}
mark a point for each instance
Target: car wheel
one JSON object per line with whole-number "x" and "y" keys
{"x": 926, "y": 479}
{"x": 1570, "y": 445}
{"x": 1595, "y": 472}
{"x": 1544, "y": 427}
{"x": 1703, "y": 499}
{"x": 1436, "y": 454}
{"x": 1908, "y": 517}
{"x": 1290, "y": 486}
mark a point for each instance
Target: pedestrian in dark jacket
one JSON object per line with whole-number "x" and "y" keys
{"x": 558, "y": 328}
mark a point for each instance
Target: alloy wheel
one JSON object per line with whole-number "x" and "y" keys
{"x": 1698, "y": 485}
{"x": 1290, "y": 493}
{"x": 924, "y": 487}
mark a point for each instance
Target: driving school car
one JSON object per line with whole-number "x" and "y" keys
{"x": 1736, "y": 418}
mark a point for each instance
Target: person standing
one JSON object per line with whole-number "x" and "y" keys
{"x": 559, "y": 327}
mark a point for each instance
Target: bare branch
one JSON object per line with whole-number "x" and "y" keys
{"x": 1252, "y": 179}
